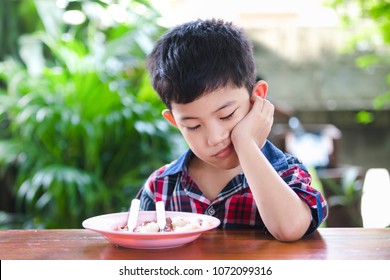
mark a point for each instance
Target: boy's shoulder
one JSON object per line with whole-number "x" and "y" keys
{"x": 279, "y": 159}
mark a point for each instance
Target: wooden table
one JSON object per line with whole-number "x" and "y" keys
{"x": 78, "y": 244}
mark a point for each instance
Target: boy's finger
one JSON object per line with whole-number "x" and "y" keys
{"x": 256, "y": 99}
{"x": 268, "y": 107}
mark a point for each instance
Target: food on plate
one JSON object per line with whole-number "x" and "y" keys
{"x": 174, "y": 224}
{"x": 147, "y": 227}
{"x": 183, "y": 224}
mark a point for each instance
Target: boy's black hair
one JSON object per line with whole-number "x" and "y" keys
{"x": 199, "y": 57}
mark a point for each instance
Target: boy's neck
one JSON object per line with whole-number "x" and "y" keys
{"x": 211, "y": 180}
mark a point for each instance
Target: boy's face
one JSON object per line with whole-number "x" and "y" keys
{"x": 207, "y": 122}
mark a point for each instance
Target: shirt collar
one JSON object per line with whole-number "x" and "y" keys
{"x": 179, "y": 165}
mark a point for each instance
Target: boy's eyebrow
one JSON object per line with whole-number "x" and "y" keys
{"x": 227, "y": 104}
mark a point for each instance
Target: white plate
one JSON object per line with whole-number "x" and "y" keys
{"x": 108, "y": 224}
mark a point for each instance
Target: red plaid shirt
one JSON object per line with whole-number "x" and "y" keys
{"x": 235, "y": 205}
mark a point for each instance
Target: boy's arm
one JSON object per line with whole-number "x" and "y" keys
{"x": 146, "y": 194}
{"x": 286, "y": 216}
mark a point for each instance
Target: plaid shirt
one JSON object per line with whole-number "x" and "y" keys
{"x": 235, "y": 205}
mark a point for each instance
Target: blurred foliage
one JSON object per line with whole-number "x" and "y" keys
{"x": 16, "y": 17}
{"x": 369, "y": 22}
{"x": 364, "y": 117}
{"x": 81, "y": 125}
{"x": 346, "y": 192}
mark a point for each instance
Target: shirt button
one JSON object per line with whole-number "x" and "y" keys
{"x": 211, "y": 211}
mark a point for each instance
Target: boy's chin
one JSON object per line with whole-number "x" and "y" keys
{"x": 227, "y": 165}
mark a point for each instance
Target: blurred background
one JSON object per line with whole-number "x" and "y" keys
{"x": 80, "y": 125}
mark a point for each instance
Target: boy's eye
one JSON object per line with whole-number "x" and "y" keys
{"x": 193, "y": 127}
{"x": 229, "y": 116}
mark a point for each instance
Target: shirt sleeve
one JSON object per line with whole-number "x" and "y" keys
{"x": 146, "y": 194}
{"x": 299, "y": 180}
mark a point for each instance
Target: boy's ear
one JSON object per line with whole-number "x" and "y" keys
{"x": 167, "y": 114}
{"x": 260, "y": 89}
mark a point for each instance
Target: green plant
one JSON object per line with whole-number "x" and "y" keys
{"x": 16, "y": 18}
{"x": 369, "y": 23}
{"x": 82, "y": 125}
{"x": 345, "y": 192}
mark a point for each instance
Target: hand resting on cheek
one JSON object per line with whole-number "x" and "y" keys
{"x": 256, "y": 125}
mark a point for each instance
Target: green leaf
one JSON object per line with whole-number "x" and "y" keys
{"x": 381, "y": 101}
{"x": 364, "y": 117}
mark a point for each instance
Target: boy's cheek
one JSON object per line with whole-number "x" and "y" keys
{"x": 244, "y": 114}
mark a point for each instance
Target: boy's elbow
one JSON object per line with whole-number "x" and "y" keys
{"x": 291, "y": 233}
{"x": 288, "y": 237}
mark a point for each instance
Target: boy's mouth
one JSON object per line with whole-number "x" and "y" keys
{"x": 224, "y": 152}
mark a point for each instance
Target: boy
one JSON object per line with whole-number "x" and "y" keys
{"x": 204, "y": 72}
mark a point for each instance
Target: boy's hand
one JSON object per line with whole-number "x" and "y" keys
{"x": 256, "y": 125}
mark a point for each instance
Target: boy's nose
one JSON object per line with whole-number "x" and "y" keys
{"x": 216, "y": 135}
